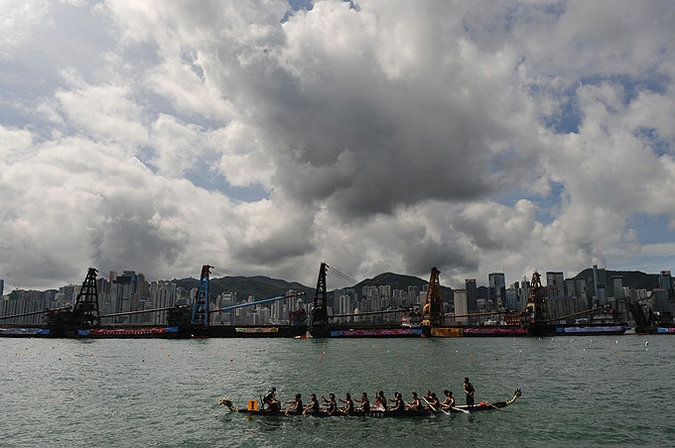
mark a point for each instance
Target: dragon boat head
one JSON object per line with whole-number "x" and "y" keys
{"x": 227, "y": 402}
{"x": 516, "y": 394}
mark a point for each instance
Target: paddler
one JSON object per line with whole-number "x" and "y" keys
{"x": 296, "y": 405}
{"x": 331, "y": 405}
{"x": 432, "y": 401}
{"x": 313, "y": 405}
{"x": 381, "y": 401}
{"x": 365, "y": 403}
{"x": 415, "y": 404}
{"x": 349, "y": 404}
{"x": 449, "y": 401}
{"x": 398, "y": 399}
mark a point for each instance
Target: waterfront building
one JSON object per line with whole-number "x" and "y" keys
{"x": 224, "y": 300}
{"x": 560, "y": 306}
{"x": 571, "y": 287}
{"x": 660, "y": 299}
{"x": 555, "y": 284}
{"x": 384, "y": 297}
{"x": 471, "y": 298}
{"x": 163, "y": 295}
{"x": 666, "y": 282}
{"x": 514, "y": 300}
{"x": 497, "y": 289}
{"x": 599, "y": 282}
{"x": 461, "y": 305}
{"x": 413, "y": 294}
{"x": 581, "y": 289}
{"x": 617, "y": 283}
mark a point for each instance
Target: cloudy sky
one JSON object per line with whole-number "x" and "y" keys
{"x": 264, "y": 137}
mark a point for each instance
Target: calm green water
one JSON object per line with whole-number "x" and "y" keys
{"x": 579, "y": 391}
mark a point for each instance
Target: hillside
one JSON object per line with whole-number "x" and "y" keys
{"x": 262, "y": 287}
{"x": 630, "y": 279}
{"x": 259, "y": 287}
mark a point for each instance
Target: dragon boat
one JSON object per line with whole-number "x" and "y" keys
{"x": 253, "y": 409}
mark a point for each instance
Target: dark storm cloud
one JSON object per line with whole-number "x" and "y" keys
{"x": 382, "y": 136}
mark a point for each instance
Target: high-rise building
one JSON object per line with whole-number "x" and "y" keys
{"x": 660, "y": 298}
{"x": 666, "y": 282}
{"x": 571, "y": 287}
{"x": 497, "y": 289}
{"x": 2, "y": 287}
{"x": 599, "y": 281}
{"x": 513, "y": 299}
{"x": 471, "y": 297}
{"x": 461, "y": 307}
{"x": 617, "y": 282}
{"x": 555, "y": 284}
{"x": 581, "y": 289}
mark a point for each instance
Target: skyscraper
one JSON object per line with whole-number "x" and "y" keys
{"x": 617, "y": 282}
{"x": 497, "y": 289}
{"x": 555, "y": 284}
{"x": 471, "y": 297}
{"x": 666, "y": 282}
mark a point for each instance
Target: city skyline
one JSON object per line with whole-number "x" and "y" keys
{"x": 266, "y": 137}
{"x": 550, "y": 278}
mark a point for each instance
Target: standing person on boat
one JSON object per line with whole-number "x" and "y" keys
{"x": 313, "y": 405}
{"x": 415, "y": 404}
{"x": 469, "y": 390}
{"x": 398, "y": 399}
{"x": 296, "y": 405}
{"x": 270, "y": 399}
{"x": 331, "y": 405}
{"x": 449, "y": 401}
{"x": 381, "y": 401}
{"x": 349, "y": 404}
{"x": 365, "y": 403}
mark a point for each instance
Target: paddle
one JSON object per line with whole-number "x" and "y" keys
{"x": 460, "y": 410}
{"x": 433, "y": 408}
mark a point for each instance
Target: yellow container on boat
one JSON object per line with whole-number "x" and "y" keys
{"x": 447, "y": 332}
{"x": 252, "y": 405}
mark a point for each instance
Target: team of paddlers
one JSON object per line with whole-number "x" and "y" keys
{"x": 329, "y": 405}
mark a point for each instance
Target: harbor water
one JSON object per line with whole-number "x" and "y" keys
{"x": 577, "y": 391}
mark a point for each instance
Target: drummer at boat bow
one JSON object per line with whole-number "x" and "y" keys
{"x": 270, "y": 400}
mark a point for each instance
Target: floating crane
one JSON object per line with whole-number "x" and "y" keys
{"x": 433, "y": 314}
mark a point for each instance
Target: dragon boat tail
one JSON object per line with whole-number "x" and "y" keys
{"x": 254, "y": 409}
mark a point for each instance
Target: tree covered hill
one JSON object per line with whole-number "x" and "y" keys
{"x": 261, "y": 287}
